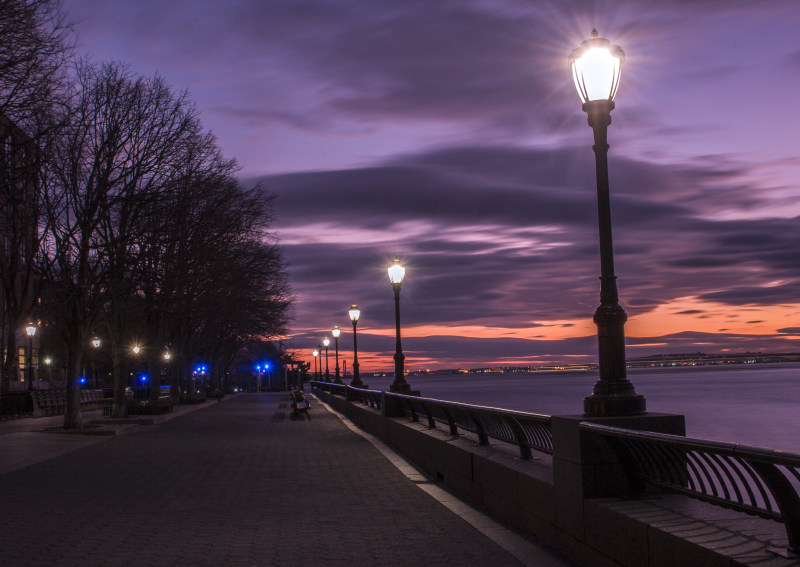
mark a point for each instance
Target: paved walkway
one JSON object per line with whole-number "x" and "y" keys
{"x": 238, "y": 483}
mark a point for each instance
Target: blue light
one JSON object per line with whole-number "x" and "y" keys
{"x": 82, "y": 380}
{"x": 143, "y": 378}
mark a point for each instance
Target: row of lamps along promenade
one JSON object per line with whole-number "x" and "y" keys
{"x": 596, "y": 68}
{"x": 396, "y": 274}
{"x": 30, "y": 330}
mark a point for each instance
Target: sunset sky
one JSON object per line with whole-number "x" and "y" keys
{"x": 449, "y": 133}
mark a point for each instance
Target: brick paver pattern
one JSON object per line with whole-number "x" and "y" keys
{"x": 241, "y": 483}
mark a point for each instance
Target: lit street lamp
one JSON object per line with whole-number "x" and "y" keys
{"x": 354, "y": 312}
{"x": 396, "y": 274}
{"x": 136, "y": 349}
{"x": 167, "y": 358}
{"x": 315, "y": 352}
{"x": 596, "y": 71}
{"x": 336, "y": 331}
{"x": 96, "y": 344}
{"x": 31, "y": 331}
{"x": 325, "y": 342}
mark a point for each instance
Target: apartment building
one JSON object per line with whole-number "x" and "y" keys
{"x": 18, "y": 245}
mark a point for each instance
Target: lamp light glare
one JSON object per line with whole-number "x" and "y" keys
{"x": 596, "y": 66}
{"x": 354, "y": 312}
{"x": 396, "y": 272}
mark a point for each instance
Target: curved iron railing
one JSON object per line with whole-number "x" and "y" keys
{"x": 760, "y": 482}
{"x": 525, "y": 430}
{"x": 528, "y": 431}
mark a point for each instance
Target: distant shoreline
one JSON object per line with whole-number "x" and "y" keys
{"x": 674, "y": 361}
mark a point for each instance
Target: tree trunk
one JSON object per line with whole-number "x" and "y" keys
{"x": 72, "y": 414}
{"x": 175, "y": 382}
{"x": 10, "y": 364}
{"x": 153, "y": 370}
{"x": 120, "y": 407}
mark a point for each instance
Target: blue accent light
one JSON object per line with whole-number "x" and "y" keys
{"x": 82, "y": 379}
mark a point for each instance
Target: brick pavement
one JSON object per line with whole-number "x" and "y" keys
{"x": 239, "y": 483}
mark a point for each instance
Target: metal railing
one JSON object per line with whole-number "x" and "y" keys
{"x": 525, "y": 430}
{"x": 760, "y": 482}
{"x": 372, "y": 398}
{"x": 528, "y": 431}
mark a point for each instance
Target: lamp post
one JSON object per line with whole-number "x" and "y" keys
{"x": 396, "y": 274}
{"x": 596, "y": 71}
{"x": 167, "y": 358}
{"x": 136, "y": 349}
{"x": 30, "y": 329}
{"x": 315, "y": 352}
{"x": 354, "y": 312}
{"x": 325, "y": 342}
{"x": 96, "y": 344}
{"x": 336, "y": 331}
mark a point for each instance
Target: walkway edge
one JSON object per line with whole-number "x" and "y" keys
{"x": 526, "y": 551}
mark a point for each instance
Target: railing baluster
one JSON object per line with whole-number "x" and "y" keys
{"x": 749, "y": 479}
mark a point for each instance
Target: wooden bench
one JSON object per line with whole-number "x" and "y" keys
{"x": 147, "y": 406}
{"x": 299, "y": 402}
{"x": 54, "y": 402}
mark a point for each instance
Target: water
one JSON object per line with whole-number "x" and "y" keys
{"x": 751, "y": 405}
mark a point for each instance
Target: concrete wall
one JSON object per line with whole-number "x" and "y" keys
{"x": 570, "y": 501}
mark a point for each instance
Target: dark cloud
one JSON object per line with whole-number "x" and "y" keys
{"x": 488, "y": 190}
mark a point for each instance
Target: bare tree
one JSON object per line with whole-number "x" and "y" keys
{"x": 117, "y": 150}
{"x": 36, "y": 44}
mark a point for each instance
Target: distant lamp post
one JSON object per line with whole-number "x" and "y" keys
{"x": 396, "y": 274}
{"x": 96, "y": 344}
{"x": 315, "y": 352}
{"x": 30, "y": 330}
{"x": 325, "y": 342}
{"x": 596, "y": 70}
{"x": 168, "y": 373}
{"x": 136, "y": 349}
{"x": 354, "y": 312}
{"x": 336, "y": 331}
{"x": 47, "y": 362}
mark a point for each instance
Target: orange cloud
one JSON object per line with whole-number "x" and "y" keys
{"x": 693, "y": 314}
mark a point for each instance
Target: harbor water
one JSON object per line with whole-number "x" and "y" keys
{"x": 756, "y": 404}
